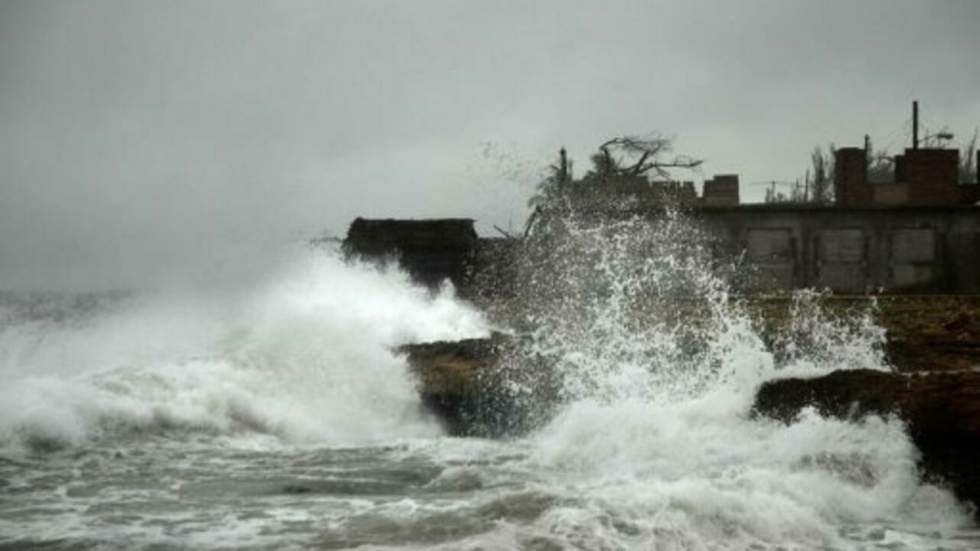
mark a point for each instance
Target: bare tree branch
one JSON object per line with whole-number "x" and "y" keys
{"x": 647, "y": 153}
{"x": 502, "y": 232}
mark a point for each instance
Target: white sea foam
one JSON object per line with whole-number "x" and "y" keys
{"x": 305, "y": 356}
{"x": 655, "y": 444}
{"x": 652, "y": 444}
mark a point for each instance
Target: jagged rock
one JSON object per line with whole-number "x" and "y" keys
{"x": 484, "y": 387}
{"x": 941, "y": 409}
{"x": 456, "y": 383}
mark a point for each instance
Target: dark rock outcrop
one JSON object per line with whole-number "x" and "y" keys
{"x": 483, "y": 387}
{"x": 941, "y": 409}
{"x": 457, "y": 384}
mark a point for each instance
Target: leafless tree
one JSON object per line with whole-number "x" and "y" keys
{"x": 624, "y": 159}
{"x": 881, "y": 165}
{"x": 639, "y": 156}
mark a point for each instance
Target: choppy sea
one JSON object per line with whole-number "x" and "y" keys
{"x": 278, "y": 417}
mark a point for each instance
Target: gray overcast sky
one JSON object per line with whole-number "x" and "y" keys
{"x": 146, "y": 140}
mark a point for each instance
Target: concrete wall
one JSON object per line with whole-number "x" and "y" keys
{"x": 851, "y": 187}
{"x": 855, "y": 250}
{"x": 892, "y": 194}
{"x": 932, "y": 175}
{"x": 922, "y": 177}
{"x": 923, "y": 249}
{"x": 720, "y": 191}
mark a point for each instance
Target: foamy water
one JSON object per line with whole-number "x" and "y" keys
{"x": 278, "y": 417}
{"x": 305, "y": 357}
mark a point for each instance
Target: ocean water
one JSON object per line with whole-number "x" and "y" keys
{"x": 278, "y": 417}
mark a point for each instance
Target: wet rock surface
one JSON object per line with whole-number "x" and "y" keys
{"x": 933, "y": 344}
{"x": 456, "y": 381}
{"x": 469, "y": 385}
{"x": 938, "y": 333}
{"x": 924, "y": 333}
{"x": 941, "y": 409}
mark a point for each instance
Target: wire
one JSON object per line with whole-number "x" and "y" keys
{"x": 901, "y": 131}
{"x": 904, "y": 134}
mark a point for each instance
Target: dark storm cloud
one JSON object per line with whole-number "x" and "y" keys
{"x": 139, "y": 140}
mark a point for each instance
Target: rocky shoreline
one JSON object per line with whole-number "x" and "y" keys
{"x": 933, "y": 345}
{"x": 940, "y": 409}
{"x": 451, "y": 379}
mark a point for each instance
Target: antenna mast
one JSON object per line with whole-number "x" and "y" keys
{"x": 915, "y": 125}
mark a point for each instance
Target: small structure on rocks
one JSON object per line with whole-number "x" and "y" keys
{"x": 429, "y": 250}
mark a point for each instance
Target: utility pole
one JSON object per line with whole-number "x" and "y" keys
{"x": 915, "y": 124}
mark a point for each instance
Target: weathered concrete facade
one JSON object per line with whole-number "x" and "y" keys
{"x": 912, "y": 249}
{"x": 853, "y": 250}
{"x": 922, "y": 177}
{"x": 721, "y": 191}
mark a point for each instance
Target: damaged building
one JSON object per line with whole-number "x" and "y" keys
{"x": 919, "y": 233}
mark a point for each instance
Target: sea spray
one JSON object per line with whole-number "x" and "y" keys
{"x": 814, "y": 340}
{"x": 279, "y": 419}
{"x": 652, "y": 364}
{"x": 635, "y": 307}
{"x": 305, "y": 356}
{"x": 609, "y": 308}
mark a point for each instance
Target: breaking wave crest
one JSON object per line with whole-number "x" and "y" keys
{"x": 645, "y": 439}
{"x": 304, "y": 357}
